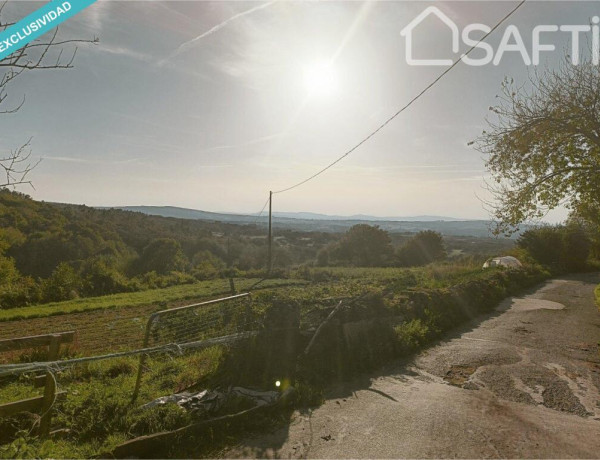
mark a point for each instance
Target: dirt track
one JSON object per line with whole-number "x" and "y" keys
{"x": 523, "y": 382}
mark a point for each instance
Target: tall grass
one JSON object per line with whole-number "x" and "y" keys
{"x": 98, "y": 412}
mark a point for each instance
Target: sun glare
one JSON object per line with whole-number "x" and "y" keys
{"x": 320, "y": 79}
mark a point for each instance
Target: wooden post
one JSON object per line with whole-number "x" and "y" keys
{"x": 49, "y": 389}
{"x": 248, "y": 313}
{"x": 270, "y": 258}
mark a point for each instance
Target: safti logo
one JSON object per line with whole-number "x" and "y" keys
{"x": 511, "y": 41}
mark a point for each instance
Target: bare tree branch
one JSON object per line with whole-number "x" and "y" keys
{"x": 41, "y": 54}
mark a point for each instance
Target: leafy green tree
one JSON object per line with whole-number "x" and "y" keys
{"x": 64, "y": 283}
{"x": 364, "y": 246}
{"x": 102, "y": 277}
{"x": 8, "y": 271}
{"x": 544, "y": 244}
{"x": 10, "y": 236}
{"x": 162, "y": 255}
{"x": 206, "y": 265}
{"x": 561, "y": 247}
{"x": 423, "y": 248}
{"x": 543, "y": 146}
{"x": 323, "y": 258}
{"x": 21, "y": 292}
{"x": 576, "y": 247}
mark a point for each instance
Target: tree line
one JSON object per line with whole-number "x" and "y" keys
{"x": 51, "y": 252}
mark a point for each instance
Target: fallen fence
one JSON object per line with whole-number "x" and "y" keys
{"x": 170, "y": 332}
{"x": 43, "y": 403}
{"x": 192, "y": 323}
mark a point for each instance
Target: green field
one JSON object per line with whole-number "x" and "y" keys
{"x": 340, "y": 280}
{"x": 598, "y": 296}
{"x": 117, "y": 322}
{"x": 202, "y": 289}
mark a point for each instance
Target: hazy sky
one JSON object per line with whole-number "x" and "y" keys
{"x": 209, "y": 105}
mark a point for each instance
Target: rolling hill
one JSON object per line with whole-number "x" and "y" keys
{"x": 303, "y": 221}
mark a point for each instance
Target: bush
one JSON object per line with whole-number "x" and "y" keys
{"x": 576, "y": 248}
{"x": 423, "y": 248}
{"x": 411, "y": 335}
{"x": 206, "y": 265}
{"x": 15, "y": 290}
{"x": 153, "y": 280}
{"x": 64, "y": 284}
{"x": 23, "y": 292}
{"x": 323, "y": 258}
{"x": 559, "y": 247}
{"x": 102, "y": 278}
{"x": 544, "y": 244}
{"x": 364, "y": 246}
{"x": 162, "y": 255}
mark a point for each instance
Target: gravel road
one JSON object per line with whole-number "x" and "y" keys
{"x": 523, "y": 382}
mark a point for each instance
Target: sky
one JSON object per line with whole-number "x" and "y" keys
{"x": 209, "y": 105}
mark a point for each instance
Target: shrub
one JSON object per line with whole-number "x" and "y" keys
{"x": 559, "y": 247}
{"x": 423, "y": 248}
{"x": 323, "y": 258}
{"x": 576, "y": 248}
{"x": 23, "y": 292}
{"x": 544, "y": 244}
{"x": 64, "y": 283}
{"x": 162, "y": 255}
{"x": 8, "y": 271}
{"x": 364, "y": 246}
{"x": 411, "y": 335}
{"x": 206, "y": 265}
{"x": 102, "y": 278}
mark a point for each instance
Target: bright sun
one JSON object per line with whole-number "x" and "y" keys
{"x": 320, "y": 79}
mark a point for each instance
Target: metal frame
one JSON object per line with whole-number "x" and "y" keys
{"x": 156, "y": 315}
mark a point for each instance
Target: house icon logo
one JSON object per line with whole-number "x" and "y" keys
{"x": 408, "y": 30}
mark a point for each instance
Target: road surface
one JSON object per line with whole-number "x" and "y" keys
{"x": 522, "y": 382}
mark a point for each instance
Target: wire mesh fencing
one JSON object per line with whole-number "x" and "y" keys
{"x": 97, "y": 332}
{"x": 133, "y": 332}
{"x": 199, "y": 325}
{"x": 173, "y": 348}
{"x": 192, "y": 323}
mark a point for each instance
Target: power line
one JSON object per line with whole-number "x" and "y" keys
{"x": 261, "y": 211}
{"x": 413, "y": 100}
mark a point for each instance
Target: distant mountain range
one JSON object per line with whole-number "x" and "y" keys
{"x": 187, "y": 213}
{"x": 307, "y": 221}
{"x": 315, "y": 216}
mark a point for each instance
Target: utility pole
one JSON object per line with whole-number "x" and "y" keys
{"x": 270, "y": 258}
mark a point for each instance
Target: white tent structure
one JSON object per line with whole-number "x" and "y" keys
{"x": 504, "y": 261}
